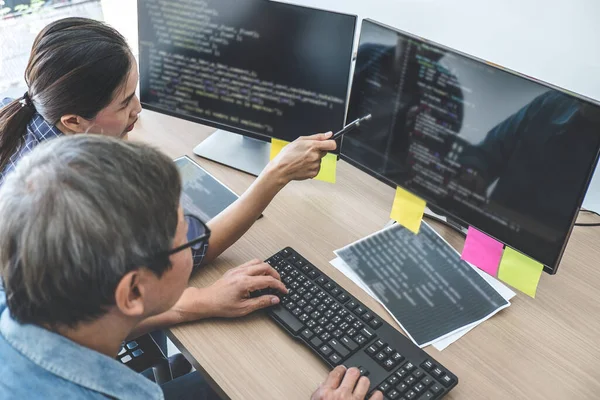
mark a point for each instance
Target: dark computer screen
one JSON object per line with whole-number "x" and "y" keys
{"x": 255, "y": 67}
{"x": 505, "y": 154}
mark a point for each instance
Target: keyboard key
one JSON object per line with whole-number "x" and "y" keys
{"x": 307, "y": 334}
{"x": 318, "y": 330}
{"x": 418, "y": 374}
{"x": 342, "y": 313}
{"x": 419, "y": 388}
{"x": 126, "y": 359}
{"x": 285, "y": 253}
{"x": 330, "y": 328}
{"x": 132, "y": 345}
{"x": 402, "y": 387}
{"x": 436, "y": 388}
{"x": 339, "y": 348}
{"x": 349, "y": 343}
{"x": 316, "y": 342}
{"x": 325, "y": 336}
{"x": 313, "y": 274}
{"x": 437, "y": 372}
{"x": 300, "y": 263}
{"x": 379, "y": 344}
{"x": 328, "y": 286}
{"x": 321, "y": 281}
{"x": 375, "y": 323}
{"x": 335, "y": 307}
{"x": 401, "y": 373}
{"x": 335, "y": 359}
{"x": 409, "y": 366}
{"x": 321, "y": 308}
{"x": 380, "y": 356}
{"x": 410, "y": 395}
{"x": 372, "y": 350}
{"x": 366, "y": 332}
{"x": 360, "y": 340}
{"x": 351, "y": 332}
{"x": 357, "y": 325}
{"x": 427, "y": 396}
{"x": 360, "y": 310}
{"x": 315, "y": 302}
{"x": 303, "y": 317}
{"x": 409, "y": 381}
{"x": 308, "y": 309}
{"x": 338, "y": 333}
{"x": 322, "y": 321}
{"x": 352, "y": 305}
{"x": 336, "y": 320}
{"x": 343, "y": 297}
{"x": 122, "y": 351}
{"x": 397, "y": 357}
{"x": 447, "y": 380}
{"x": 427, "y": 381}
{"x": 286, "y": 319}
{"x": 138, "y": 352}
{"x": 388, "y": 350}
{"x": 296, "y": 311}
{"x": 363, "y": 371}
{"x": 335, "y": 292}
{"x": 343, "y": 326}
{"x": 301, "y": 303}
{"x": 328, "y": 314}
{"x": 393, "y": 394}
{"x": 314, "y": 289}
{"x": 325, "y": 350}
{"x": 393, "y": 380}
{"x": 384, "y": 387}
{"x": 367, "y": 316}
{"x": 388, "y": 364}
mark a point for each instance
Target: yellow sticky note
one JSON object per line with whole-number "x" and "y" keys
{"x": 328, "y": 168}
{"x": 276, "y": 146}
{"x": 520, "y": 271}
{"x": 408, "y": 210}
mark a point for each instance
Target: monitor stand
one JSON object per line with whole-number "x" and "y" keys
{"x": 236, "y": 151}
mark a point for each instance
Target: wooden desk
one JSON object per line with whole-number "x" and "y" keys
{"x": 536, "y": 349}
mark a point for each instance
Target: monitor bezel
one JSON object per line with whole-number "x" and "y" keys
{"x": 249, "y": 133}
{"x": 550, "y": 269}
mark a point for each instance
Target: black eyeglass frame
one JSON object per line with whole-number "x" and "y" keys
{"x": 202, "y": 238}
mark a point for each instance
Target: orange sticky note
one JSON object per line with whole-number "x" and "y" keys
{"x": 276, "y": 146}
{"x": 408, "y": 210}
{"x": 520, "y": 271}
{"x": 328, "y": 168}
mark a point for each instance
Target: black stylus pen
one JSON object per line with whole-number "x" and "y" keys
{"x": 351, "y": 126}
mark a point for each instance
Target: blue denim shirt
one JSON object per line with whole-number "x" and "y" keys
{"x": 36, "y": 363}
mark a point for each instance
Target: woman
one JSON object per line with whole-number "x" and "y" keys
{"x": 81, "y": 77}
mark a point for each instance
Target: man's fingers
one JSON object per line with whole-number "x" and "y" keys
{"x": 376, "y": 396}
{"x": 335, "y": 377}
{"x": 362, "y": 387}
{"x": 350, "y": 380}
{"x": 262, "y": 269}
{"x": 262, "y": 282}
{"x": 251, "y": 262}
{"x": 261, "y": 302}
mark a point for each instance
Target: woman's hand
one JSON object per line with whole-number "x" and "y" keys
{"x": 230, "y": 295}
{"x": 301, "y": 159}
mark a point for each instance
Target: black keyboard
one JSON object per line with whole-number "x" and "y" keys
{"x": 341, "y": 330}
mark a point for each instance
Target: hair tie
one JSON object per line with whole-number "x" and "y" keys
{"x": 26, "y": 101}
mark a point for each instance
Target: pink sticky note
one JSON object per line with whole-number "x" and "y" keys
{"x": 482, "y": 251}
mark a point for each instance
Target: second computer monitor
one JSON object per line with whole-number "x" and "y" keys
{"x": 503, "y": 153}
{"x": 256, "y": 67}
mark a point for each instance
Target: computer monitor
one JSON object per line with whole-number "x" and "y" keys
{"x": 256, "y": 68}
{"x": 493, "y": 149}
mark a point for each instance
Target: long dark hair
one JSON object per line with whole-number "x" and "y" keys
{"x": 75, "y": 67}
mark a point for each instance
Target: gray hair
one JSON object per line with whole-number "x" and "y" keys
{"x": 76, "y": 215}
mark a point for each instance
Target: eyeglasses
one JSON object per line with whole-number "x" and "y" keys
{"x": 197, "y": 235}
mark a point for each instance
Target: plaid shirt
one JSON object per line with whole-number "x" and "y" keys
{"x": 39, "y": 130}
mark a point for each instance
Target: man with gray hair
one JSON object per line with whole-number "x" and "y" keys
{"x": 95, "y": 249}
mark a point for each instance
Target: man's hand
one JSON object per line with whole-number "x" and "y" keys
{"x": 230, "y": 296}
{"x": 341, "y": 384}
{"x": 301, "y": 159}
